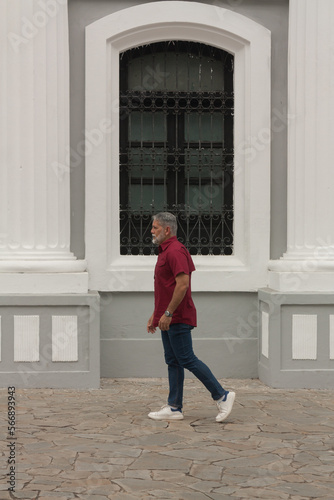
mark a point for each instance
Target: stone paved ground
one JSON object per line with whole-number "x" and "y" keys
{"x": 100, "y": 445}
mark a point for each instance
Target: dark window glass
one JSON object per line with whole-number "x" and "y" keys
{"x": 176, "y": 145}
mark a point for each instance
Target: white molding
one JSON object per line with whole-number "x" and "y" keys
{"x": 265, "y": 334}
{"x": 331, "y": 336}
{"x": 304, "y": 336}
{"x": 250, "y": 44}
{"x": 64, "y": 338}
{"x": 26, "y": 338}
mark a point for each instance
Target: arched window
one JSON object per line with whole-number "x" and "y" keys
{"x": 176, "y": 145}
{"x": 188, "y": 125}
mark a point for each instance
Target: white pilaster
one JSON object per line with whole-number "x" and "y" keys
{"x": 34, "y": 140}
{"x": 308, "y": 264}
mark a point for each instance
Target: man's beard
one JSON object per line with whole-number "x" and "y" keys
{"x": 156, "y": 240}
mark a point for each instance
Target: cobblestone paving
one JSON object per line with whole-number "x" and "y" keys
{"x": 100, "y": 445}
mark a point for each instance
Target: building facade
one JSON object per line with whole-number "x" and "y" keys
{"x": 219, "y": 111}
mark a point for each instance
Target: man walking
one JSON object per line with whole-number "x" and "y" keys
{"x": 175, "y": 315}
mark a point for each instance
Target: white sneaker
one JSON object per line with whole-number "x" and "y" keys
{"x": 225, "y": 406}
{"x": 166, "y": 413}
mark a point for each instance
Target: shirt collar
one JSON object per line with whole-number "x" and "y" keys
{"x": 165, "y": 244}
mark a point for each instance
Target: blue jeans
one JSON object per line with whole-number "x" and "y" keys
{"x": 179, "y": 354}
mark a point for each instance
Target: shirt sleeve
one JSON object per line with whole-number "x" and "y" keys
{"x": 178, "y": 262}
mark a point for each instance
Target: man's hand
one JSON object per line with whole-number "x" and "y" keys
{"x": 150, "y": 327}
{"x": 164, "y": 322}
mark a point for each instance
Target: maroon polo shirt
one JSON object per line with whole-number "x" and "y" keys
{"x": 173, "y": 259}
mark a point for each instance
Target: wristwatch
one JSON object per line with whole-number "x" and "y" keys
{"x": 168, "y": 314}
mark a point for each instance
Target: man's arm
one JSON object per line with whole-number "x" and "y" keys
{"x": 181, "y": 287}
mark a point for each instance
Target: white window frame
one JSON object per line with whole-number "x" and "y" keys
{"x": 249, "y": 42}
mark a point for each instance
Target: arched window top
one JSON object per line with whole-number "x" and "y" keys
{"x": 176, "y": 66}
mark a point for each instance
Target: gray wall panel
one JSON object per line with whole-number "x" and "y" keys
{"x": 67, "y": 334}
{"x": 225, "y": 339}
{"x": 144, "y": 358}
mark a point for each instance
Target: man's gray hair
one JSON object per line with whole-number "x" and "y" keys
{"x": 167, "y": 219}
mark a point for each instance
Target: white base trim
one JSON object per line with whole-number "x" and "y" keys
{"x": 43, "y": 266}
{"x": 307, "y": 275}
{"x": 213, "y": 274}
{"x": 33, "y": 282}
{"x": 301, "y": 282}
{"x": 302, "y": 265}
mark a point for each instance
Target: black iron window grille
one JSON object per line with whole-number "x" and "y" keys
{"x": 176, "y": 145}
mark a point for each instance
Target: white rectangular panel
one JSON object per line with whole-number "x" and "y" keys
{"x": 26, "y": 338}
{"x": 304, "y": 336}
{"x": 64, "y": 338}
{"x": 331, "y": 336}
{"x": 265, "y": 334}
